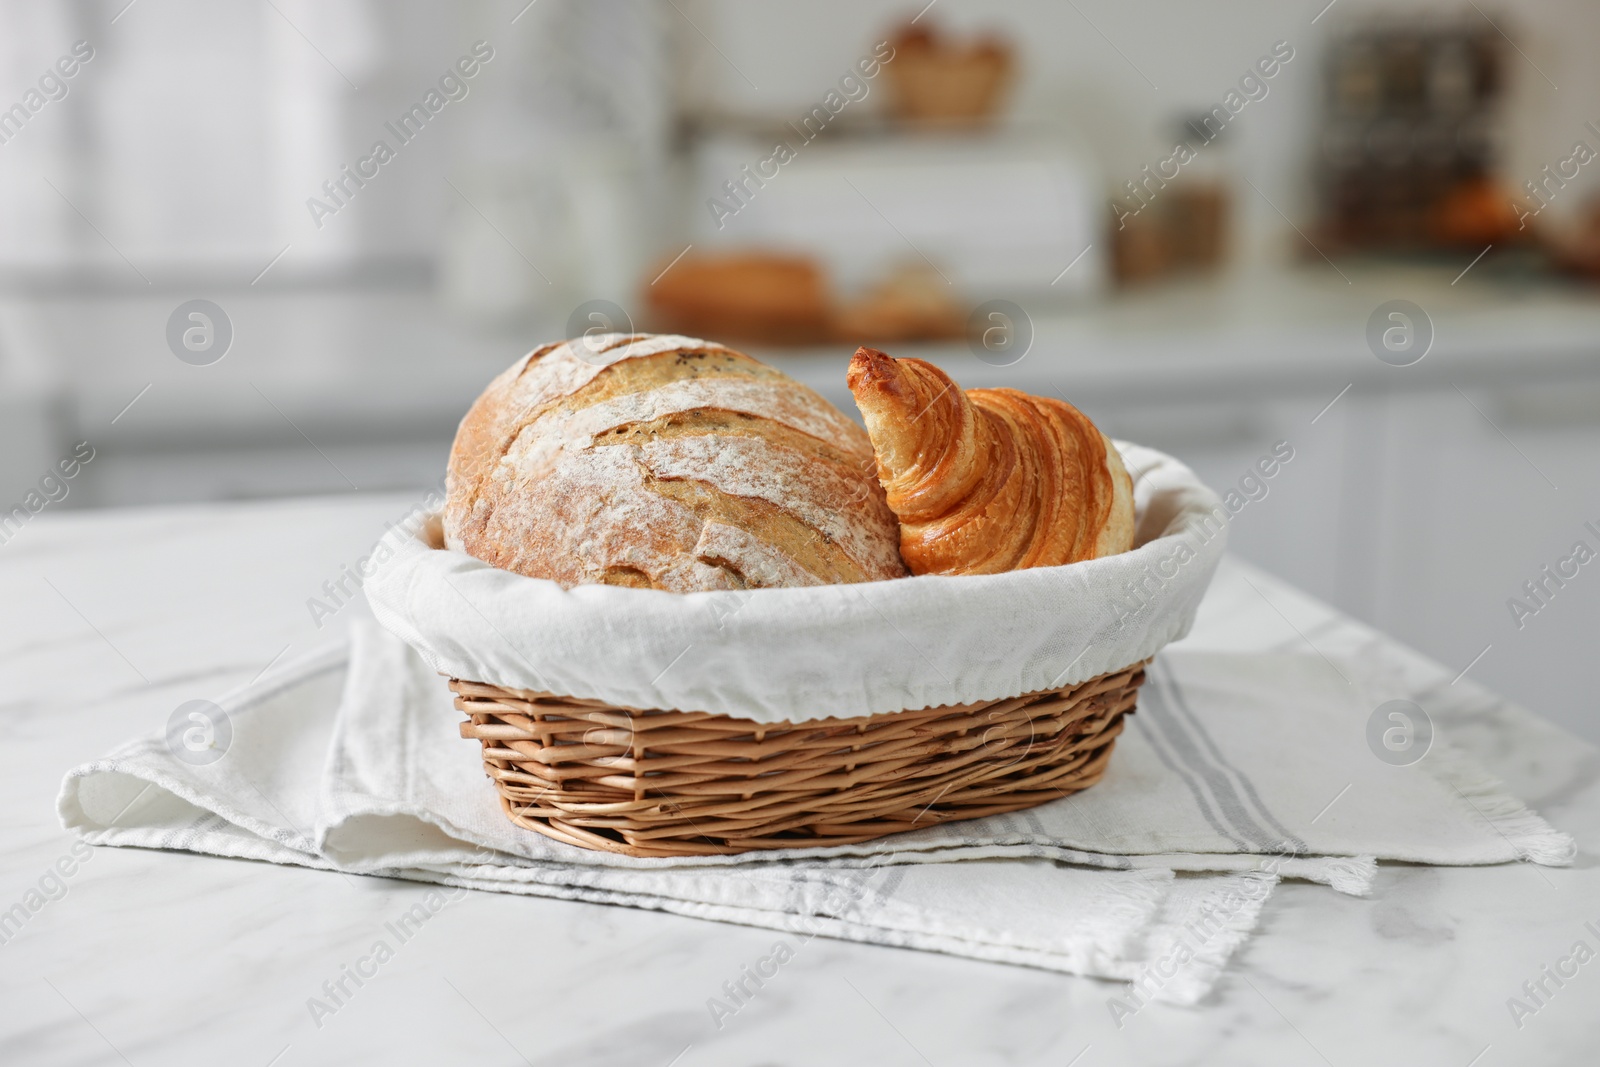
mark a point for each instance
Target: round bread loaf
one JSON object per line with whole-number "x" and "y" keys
{"x": 665, "y": 462}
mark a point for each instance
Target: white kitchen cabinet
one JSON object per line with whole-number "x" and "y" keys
{"x": 1412, "y": 510}
{"x": 1485, "y": 497}
{"x": 1294, "y": 529}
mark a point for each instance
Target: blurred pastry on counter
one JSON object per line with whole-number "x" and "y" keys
{"x": 939, "y": 79}
{"x": 782, "y": 299}
{"x": 914, "y": 303}
{"x": 765, "y": 297}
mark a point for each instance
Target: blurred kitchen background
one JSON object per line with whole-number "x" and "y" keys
{"x": 1193, "y": 221}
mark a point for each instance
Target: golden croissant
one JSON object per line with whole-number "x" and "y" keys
{"x": 989, "y": 480}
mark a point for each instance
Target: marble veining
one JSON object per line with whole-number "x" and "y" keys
{"x": 146, "y": 957}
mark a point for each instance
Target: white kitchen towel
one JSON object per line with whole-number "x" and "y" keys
{"x": 351, "y": 761}
{"x": 323, "y": 767}
{"x": 777, "y": 655}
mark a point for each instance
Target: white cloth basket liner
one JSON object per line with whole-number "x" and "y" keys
{"x": 775, "y": 655}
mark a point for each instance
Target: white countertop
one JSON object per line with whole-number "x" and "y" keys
{"x": 116, "y": 617}
{"x": 344, "y": 362}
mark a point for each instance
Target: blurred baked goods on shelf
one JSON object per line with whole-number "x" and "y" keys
{"x": 914, "y": 303}
{"x": 780, "y": 298}
{"x": 769, "y": 297}
{"x": 938, "y": 79}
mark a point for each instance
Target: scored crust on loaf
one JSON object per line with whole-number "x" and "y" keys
{"x": 665, "y": 462}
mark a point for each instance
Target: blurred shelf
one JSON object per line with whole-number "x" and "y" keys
{"x": 1288, "y": 332}
{"x": 362, "y": 368}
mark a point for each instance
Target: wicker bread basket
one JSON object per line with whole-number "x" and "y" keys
{"x": 785, "y": 727}
{"x": 672, "y": 783}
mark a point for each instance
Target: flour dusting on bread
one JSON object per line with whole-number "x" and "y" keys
{"x": 665, "y": 462}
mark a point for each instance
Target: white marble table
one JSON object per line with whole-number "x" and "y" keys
{"x": 113, "y": 619}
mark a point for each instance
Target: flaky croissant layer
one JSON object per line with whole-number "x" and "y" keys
{"x": 989, "y": 480}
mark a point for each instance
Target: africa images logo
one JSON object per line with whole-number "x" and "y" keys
{"x": 53, "y": 86}
{"x": 851, "y": 89}
{"x": 453, "y": 86}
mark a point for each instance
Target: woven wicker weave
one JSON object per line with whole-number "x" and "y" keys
{"x": 671, "y": 783}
